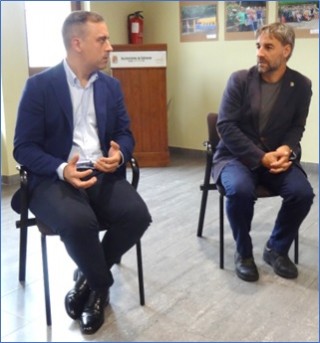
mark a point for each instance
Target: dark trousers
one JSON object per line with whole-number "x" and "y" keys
{"x": 239, "y": 183}
{"x": 78, "y": 215}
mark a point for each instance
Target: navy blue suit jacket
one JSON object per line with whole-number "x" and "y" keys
{"x": 44, "y": 128}
{"x": 238, "y": 119}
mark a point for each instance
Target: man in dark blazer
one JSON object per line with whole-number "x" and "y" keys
{"x": 261, "y": 121}
{"x": 73, "y": 135}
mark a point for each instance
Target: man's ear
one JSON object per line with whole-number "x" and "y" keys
{"x": 76, "y": 44}
{"x": 287, "y": 50}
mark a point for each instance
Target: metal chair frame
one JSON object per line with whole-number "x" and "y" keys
{"x": 25, "y": 222}
{"x": 208, "y": 185}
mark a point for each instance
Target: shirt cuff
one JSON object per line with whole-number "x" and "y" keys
{"x": 293, "y": 156}
{"x": 60, "y": 170}
{"x": 122, "y": 160}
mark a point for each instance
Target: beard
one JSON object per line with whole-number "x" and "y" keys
{"x": 268, "y": 67}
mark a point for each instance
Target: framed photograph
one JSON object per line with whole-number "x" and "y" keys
{"x": 198, "y": 21}
{"x": 243, "y": 18}
{"x": 302, "y": 15}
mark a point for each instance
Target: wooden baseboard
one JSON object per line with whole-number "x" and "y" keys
{"x": 187, "y": 152}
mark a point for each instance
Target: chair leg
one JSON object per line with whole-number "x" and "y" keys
{"x": 23, "y": 253}
{"x": 296, "y": 249}
{"x": 221, "y": 229}
{"x": 46, "y": 279}
{"x": 202, "y": 211}
{"x": 140, "y": 273}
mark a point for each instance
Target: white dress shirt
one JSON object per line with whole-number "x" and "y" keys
{"x": 85, "y": 133}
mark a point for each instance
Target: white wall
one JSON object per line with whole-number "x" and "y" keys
{"x": 14, "y": 71}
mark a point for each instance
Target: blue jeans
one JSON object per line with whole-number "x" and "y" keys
{"x": 293, "y": 186}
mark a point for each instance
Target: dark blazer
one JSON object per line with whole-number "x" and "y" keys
{"x": 44, "y": 128}
{"x": 238, "y": 119}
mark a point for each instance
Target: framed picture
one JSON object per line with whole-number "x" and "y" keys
{"x": 302, "y": 15}
{"x": 243, "y": 18}
{"x": 198, "y": 21}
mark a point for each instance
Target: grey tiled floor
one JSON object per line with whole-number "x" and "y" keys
{"x": 188, "y": 298}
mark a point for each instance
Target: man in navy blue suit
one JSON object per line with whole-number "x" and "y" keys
{"x": 73, "y": 135}
{"x": 261, "y": 121}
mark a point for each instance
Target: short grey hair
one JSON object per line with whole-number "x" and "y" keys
{"x": 75, "y": 22}
{"x": 283, "y": 33}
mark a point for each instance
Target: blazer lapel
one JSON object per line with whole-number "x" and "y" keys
{"x": 287, "y": 88}
{"x": 100, "y": 102}
{"x": 61, "y": 89}
{"x": 254, "y": 92}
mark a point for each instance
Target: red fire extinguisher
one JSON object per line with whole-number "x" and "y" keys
{"x": 135, "y": 28}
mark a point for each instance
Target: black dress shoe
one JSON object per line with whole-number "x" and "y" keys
{"x": 281, "y": 264}
{"x": 76, "y": 298}
{"x": 246, "y": 269}
{"x": 92, "y": 316}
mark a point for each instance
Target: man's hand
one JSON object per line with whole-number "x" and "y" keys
{"x": 73, "y": 176}
{"x": 109, "y": 164}
{"x": 277, "y": 161}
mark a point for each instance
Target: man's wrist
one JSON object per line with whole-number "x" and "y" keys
{"x": 292, "y": 154}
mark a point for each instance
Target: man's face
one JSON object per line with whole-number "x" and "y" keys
{"x": 271, "y": 54}
{"x": 95, "y": 46}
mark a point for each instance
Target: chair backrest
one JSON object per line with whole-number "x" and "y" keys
{"x": 214, "y": 138}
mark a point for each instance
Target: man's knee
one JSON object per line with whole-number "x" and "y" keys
{"x": 241, "y": 191}
{"x": 139, "y": 218}
{"x": 142, "y": 217}
{"x": 303, "y": 194}
{"x": 78, "y": 225}
{"x": 308, "y": 195}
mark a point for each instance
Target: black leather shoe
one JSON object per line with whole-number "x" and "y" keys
{"x": 246, "y": 269}
{"x": 76, "y": 298}
{"x": 281, "y": 264}
{"x": 92, "y": 316}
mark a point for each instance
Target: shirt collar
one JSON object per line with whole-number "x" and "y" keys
{"x": 72, "y": 78}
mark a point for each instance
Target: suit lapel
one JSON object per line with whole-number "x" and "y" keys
{"x": 62, "y": 92}
{"x": 254, "y": 96}
{"x": 287, "y": 87}
{"x": 61, "y": 89}
{"x": 100, "y": 103}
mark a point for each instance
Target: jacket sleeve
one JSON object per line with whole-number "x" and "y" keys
{"x": 300, "y": 107}
{"x": 31, "y": 132}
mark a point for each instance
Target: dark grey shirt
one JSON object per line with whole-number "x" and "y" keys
{"x": 269, "y": 95}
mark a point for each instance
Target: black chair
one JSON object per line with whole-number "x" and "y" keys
{"x": 208, "y": 185}
{"x": 25, "y": 221}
